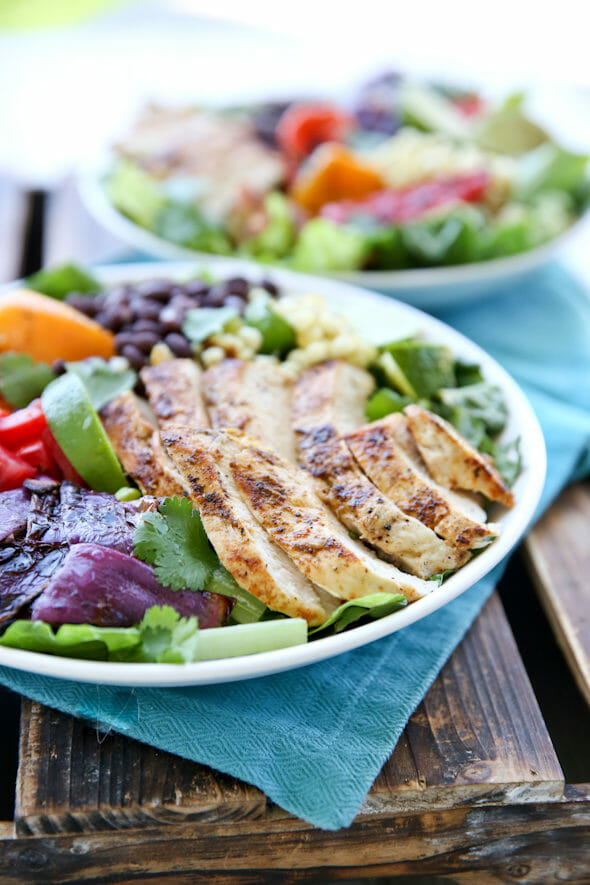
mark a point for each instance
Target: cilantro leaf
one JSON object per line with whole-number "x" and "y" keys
{"x": 22, "y": 379}
{"x": 376, "y": 605}
{"x": 202, "y": 322}
{"x": 104, "y": 380}
{"x": 174, "y": 542}
{"x": 166, "y": 637}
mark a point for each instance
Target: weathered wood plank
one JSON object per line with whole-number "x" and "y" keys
{"x": 71, "y": 234}
{"x": 13, "y": 222}
{"x": 559, "y": 557}
{"x": 478, "y": 736}
{"x": 531, "y": 843}
{"x": 72, "y": 778}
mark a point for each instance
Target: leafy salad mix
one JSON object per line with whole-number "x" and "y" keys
{"x": 406, "y": 175}
{"x": 55, "y": 457}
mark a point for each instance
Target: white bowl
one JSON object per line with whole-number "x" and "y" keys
{"x": 381, "y": 319}
{"x": 429, "y": 288}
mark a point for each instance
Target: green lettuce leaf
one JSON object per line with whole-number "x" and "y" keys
{"x": 326, "y": 247}
{"x": 57, "y": 282}
{"x": 22, "y": 379}
{"x": 377, "y": 605}
{"x": 276, "y": 239}
{"x": 550, "y": 168}
{"x": 135, "y": 193}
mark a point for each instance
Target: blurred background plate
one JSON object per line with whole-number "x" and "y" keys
{"x": 428, "y": 288}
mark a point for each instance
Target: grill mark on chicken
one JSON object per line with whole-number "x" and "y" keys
{"x": 255, "y": 561}
{"x": 254, "y": 397}
{"x": 138, "y": 447}
{"x": 281, "y": 498}
{"x": 385, "y": 463}
{"x": 174, "y": 391}
{"x": 329, "y": 398}
{"x": 452, "y": 460}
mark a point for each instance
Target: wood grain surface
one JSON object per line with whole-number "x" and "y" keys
{"x": 558, "y": 550}
{"x": 477, "y": 737}
{"x": 533, "y": 843}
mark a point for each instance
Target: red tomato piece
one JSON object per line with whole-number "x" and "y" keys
{"x": 37, "y": 455}
{"x": 13, "y": 470}
{"x": 22, "y": 426}
{"x": 65, "y": 468}
{"x": 304, "y": 126}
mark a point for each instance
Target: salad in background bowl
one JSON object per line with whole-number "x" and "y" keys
{"x": 241, "y": 474}
{"x": 409, "y": 186}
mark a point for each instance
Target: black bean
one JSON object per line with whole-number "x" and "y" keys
{"x": 86, "y": 304}
{"x": 195, "y": 288}
{"x": 58, "y": 366}
{"x": 146, "y": 310}
{"x": 118, "y": 295}
{"x": 171, "y": 319}
{"x": 270, "y": 287}
{"x": 235, "y": 301}
{"x": 122, "y": 339}
{"x": 145, "y": 341}
{"x": 216, "y": 296}
{"x": 133, "y": 355}
{"x": 178, "y": 344}
{"x": 238, "y": 286}
{"x": 155, "y": 290}
{"x": 115, "y": 318}
{"x": 146, "y": 326}
{"x": 182, "y": 303}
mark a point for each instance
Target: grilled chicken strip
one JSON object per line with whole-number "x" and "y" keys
{"x": 452, "y": 460}
{"x": 254, "y": 397}
{"x": 468, "y": 503}
{"x": 174, "y": 391}
{"x": 139, "y": 449}
{"x": 282, "y": 499}
{"x": 329, "y": 399}
{"x": 386, "y": 464}
{"x": 256, "y": 562}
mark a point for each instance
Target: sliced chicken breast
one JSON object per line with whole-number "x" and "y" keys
{"x": 468, "y": 503}
{"x": 385, "y": 463}
{"x": 452, "y": 460}
{"x": 330, "y": 398}
{"x": 137, "y": 444}
{"x": 174, "y": 391}
{"x": 245, "y": 549}
{"x": 282, "y": 499}
{"x": 254, "y": 397}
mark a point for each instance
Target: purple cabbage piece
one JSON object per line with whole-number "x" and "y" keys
{"x": 72, "y": 515}
{"x": 107, "y": 588}
{"x": 14, "y": 509}
{"x": 25, "y": 571}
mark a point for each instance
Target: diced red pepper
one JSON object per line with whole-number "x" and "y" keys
{"x": 406, "y": 204}
{"x": 37, "y": 455}
{"x": 13, "y": 470}
{"x": 66, "y": 469}
{"x": 304, "y": 126}
{"x": 24, "y": 425}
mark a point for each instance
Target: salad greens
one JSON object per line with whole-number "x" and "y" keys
{"x": 174, "y": 542}
{"x": 58, "y": 282}
{"x": 22, "y": 379}
{"x": 385, "y": 182}
{"x": 412, "y": 370}
{"x": 377, "y": 605}
{"x": 162, "y": 637}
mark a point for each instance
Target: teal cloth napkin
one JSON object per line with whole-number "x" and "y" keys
{"x": 314, "y": 739}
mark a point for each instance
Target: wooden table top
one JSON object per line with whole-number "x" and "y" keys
{"x": 475, "y": 790}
